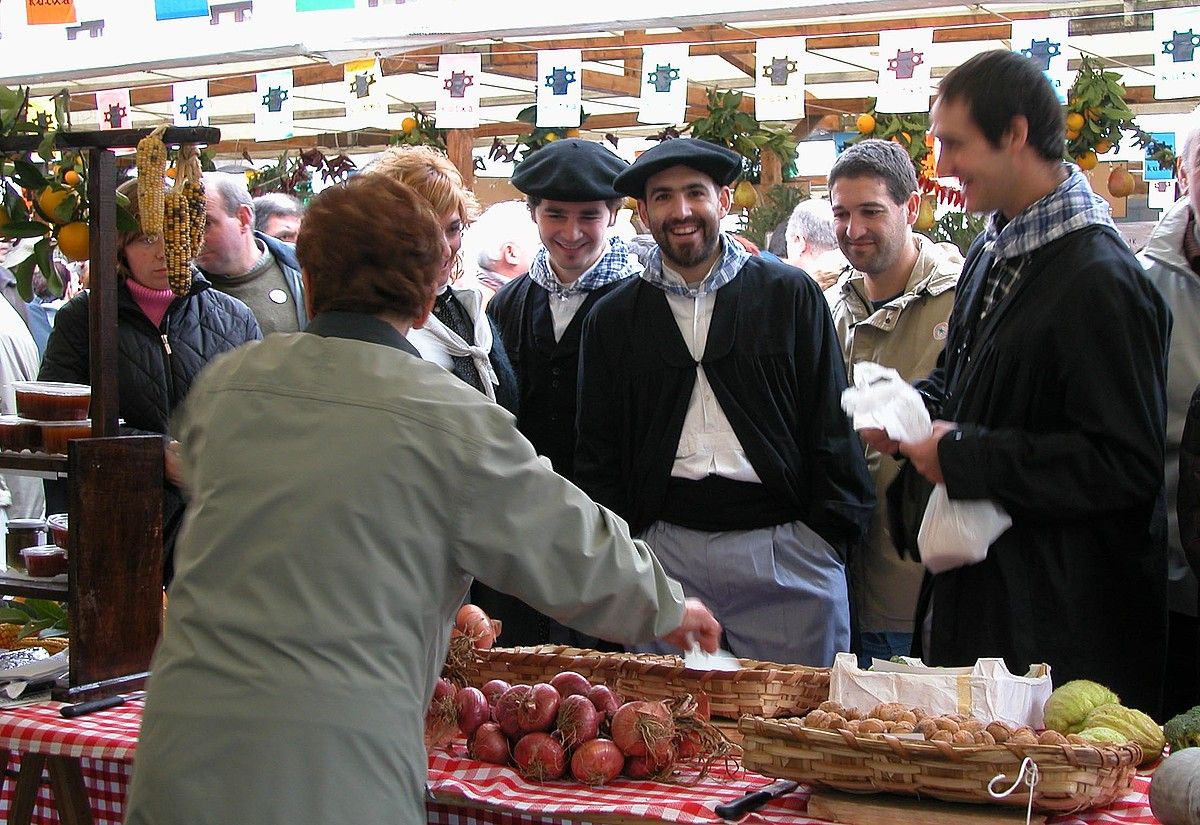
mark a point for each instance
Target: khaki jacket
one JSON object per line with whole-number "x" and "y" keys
{"x": 907, "y": 335}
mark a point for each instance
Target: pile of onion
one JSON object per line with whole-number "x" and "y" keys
{"x": 569, "y": 726}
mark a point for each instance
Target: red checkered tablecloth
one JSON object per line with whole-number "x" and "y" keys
{"x": 106, "y": 741}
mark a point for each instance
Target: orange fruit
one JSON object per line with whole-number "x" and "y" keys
{"x": 1072, "y": 134}
{"x": 1092, "y": 113}
{"x": 171, "y": 172}
{"x": 50, "y": 199}
{"x": 74, "y": 241}
{"x": 571, "y": 133}
{"x": 71, "y": 177}
{"x": 550, "y": 137}
{"x": 865, "y": 124}
{"x": 1074, "y": 122}
{"x": 408, "y": 125}
{"x": 1103, "y": 146}
{"x": 1087, "y": 161}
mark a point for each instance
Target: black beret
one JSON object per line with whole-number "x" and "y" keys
{"x": 570, "y": 170}
{"x": 721, "y": 164}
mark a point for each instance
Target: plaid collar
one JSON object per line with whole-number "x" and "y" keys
{"x": 614, "y": 265}
{"x": 732, "y": 259}
{"x": 1072, "y": 205}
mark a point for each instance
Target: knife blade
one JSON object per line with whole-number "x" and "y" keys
{"x": 754, "y": 800}
{"x": 93, "y": 705}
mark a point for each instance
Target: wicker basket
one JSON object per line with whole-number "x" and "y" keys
{"x": 759, "y": 688}
{"x": 1071, "y": 777}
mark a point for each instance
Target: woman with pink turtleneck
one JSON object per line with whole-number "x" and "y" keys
{"x": 163, "y": 340}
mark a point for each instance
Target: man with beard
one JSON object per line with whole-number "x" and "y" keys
{"x": 709, "y": 418}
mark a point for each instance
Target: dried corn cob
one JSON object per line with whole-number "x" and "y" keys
{"x": 8, "y": 635}
{"x": 151, "y": 168}
{"x": 193, "y": 191}
{"x": 176, "y": 240}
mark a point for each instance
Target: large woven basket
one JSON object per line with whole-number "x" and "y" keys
{"x": 1070, "y": 777}
{"x": 761, "y": 688}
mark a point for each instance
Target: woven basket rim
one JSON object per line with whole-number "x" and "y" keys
{"x": 659, "y": 665}
{"x": 1071, "y": 755}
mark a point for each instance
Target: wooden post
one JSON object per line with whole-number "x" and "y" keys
{"x": 771, "y": 170}
{"x": 459, "y": 146}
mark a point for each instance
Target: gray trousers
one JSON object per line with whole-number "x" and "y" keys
{"x": 779, "y": 592}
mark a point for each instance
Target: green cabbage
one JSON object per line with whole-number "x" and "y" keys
{"x": 1068, "y": 706}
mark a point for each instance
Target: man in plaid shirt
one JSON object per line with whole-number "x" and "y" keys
{"x": 1050, "y": 400}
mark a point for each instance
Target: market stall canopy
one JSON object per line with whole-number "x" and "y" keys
{"x": 127, "y": 46}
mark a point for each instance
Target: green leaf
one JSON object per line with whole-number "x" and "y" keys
{"x": 126, "y": 222}
{"x": 24, "y": 229}
{"x": 43, "y": 252}
{"x": 48, "y": 609}
{"x": 10, "y": 615}
{"x": 28, "y": 175}
{"x": 23, "y": 272}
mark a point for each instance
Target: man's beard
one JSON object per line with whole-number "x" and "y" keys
{"x": 692, "y": 254}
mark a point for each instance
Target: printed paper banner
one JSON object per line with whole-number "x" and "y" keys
{"x": 178, "y": 9}
{"x": 323, "y": 5}
{"x": 779, "y": 78}
{"x": 457, "y": 104}
{"x": 48, "y": 12}
{"x": 904, "y": 62}
{"x": 559, "y": 79}
{"x": 273, "y": 115}
{"x": 664, "y": 84}
{"x": 112, "y": 109}
{"x": 1177, "y": 53}
{"x": 190, "y": 101}
{"x": 1161, "y": 194}
{"x": 1045, "y": 42}
{"x": 366, "y": 102}
{"x": 1152, "y": 169}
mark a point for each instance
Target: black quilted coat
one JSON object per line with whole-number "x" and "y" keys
{"x": 155, "y": 367}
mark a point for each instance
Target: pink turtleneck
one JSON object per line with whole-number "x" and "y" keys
{"x": 154, "y": 302}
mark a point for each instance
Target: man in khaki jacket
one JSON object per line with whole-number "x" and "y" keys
{"x": 892, "y": 309}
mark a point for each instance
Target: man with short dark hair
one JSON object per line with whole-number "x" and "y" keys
{"x": 709, "y": 418}
{"x": 278, "y": 214}
{"x": 253, "y": 267}
{"x": 1051, "y": 398}
{"x": 890, "y": 309}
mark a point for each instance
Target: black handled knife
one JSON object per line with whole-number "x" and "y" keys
{"x": 754, "y": 800}
{"x": 93, "y": 705}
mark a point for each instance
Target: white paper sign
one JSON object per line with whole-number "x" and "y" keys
{"x": 559, "y": 79}
{"x": 458, "y": 91}
{"x": 273, "y": 114}
{"x": 1045, "y": 43}
{"x": 664, "y": 83}
{"x": 190, "y": 99}
{"x": 1177, "y": 53}
{"x": 112, "y": 109}
{"x": 366, "y": 102}
{"x": 904, "y": 64}
{"x": 1161, "y": 194}
{"x": 779, "y": 78}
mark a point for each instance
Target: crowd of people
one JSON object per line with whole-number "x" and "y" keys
{"x": 641, "y": 445}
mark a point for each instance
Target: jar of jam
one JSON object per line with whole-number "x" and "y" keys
{"x": 22, "y": 533}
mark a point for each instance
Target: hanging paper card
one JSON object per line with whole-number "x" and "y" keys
{"x": 904, "y": 63}
{"x": 1177, "y": 53}
{"x": 1045, "y": 43}
{"x": 273, "y": 114}
{"x": 323, "y": 5}
{"x": 779, "y": 78}
{"x": 1161, "y": 194}
{"x": 177, "y": 9}
{"x": 47, "y": 12}
{"x": 190, "y": 101}
{"x": 457, "y": 104}
{"x": 112, "y": 109}
{"x": 366, "y": 102}
{"x": 559, "y": 79}
{"x": 664, "y": 84}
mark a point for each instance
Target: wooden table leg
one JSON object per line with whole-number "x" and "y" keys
{"x": 70, "y": 794}
{"x": 25, "y": 795}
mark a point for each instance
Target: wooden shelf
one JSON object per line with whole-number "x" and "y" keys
{"x": 42, "y": 465}
{"x": 57, "y": 591}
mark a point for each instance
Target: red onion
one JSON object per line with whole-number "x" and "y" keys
{"x": 570, "y": 683}
{"x": 443, "y": 689}
{"x": 505, "y": 709}
{"x": 538, "y": 709}
{"x": 539, "y": 757}
{"x": 597, "y": 762}
{"x": 643, "y": 767}
{"x": 471, "y": 621}
{"x": 644, "y": 728}
{"x": 578, "y": 720}
{"x": 489, "y": 744}
{"x": 604, "y": 699}
{"x": 473, "y": 709}
{"x": 493, "y": 689}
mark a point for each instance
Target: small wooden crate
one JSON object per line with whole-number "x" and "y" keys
{"x": 1071, "y": 777}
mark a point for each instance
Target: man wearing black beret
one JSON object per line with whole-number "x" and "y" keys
{"x": 710, "y": 418}
{"x": 569, "y": 189}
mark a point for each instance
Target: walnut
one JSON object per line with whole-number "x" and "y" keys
{"x": 871, "y": 726}
{"x": 854, "y": 726}
{"x": 836, "y": 721}
{"x": 816, "y": 719}
{"x": 907, "y": 716}
{"x": 963, "y": 737}
{"x": 984, "y": 738}
{"x": 830, "y": 706}
{"x": 1022, "y": 737}
{"x": 927, "y": 727}
{"x": 903, "y": 727}
{"x": 1076, "y": 739}
{"x": 919, "y": 713}
{"x": 946, "y": 723}
{"x": 852, "y": 713}
{"x": 973, "y": 725}
{"x": 942, "y": 736}
{"x": 1000, "y": 731}
{"x": 1052, "y": 737}
{"x": 890, "y": 711}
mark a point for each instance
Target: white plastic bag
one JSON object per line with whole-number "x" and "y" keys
{"x": 957, "y": 533}
{"x": 953, "y": 533}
